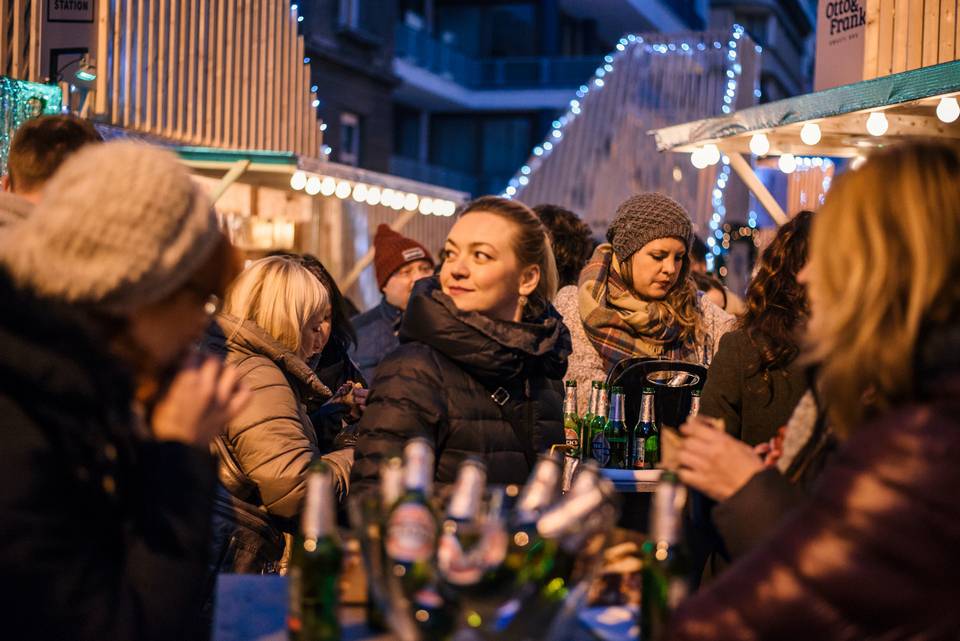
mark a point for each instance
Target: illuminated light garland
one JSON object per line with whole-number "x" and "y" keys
{"x": 370, "y": 194}
{"x": 706, "y": 156}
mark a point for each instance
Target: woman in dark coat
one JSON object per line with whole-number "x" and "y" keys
{"x": 107, "y": 481}
{"x": 482, "y": 353}
{"x": 755, "y": 380}
{"x": 873, "y": 552}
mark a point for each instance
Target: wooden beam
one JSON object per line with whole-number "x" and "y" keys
{"x": 367, "y": 258}
{"x": 747, "y": 175}
{"x": 948, "y": 16}
{"x": 229, "y": 178}
{"x": 901, "y": 31}
{"x": 871, "y": 46}
{"x": 915, "y": 37}
{"x": 931, "y": 31}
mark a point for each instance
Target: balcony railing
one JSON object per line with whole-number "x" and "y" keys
{"x": 422, "y": 50}
{"x": 427, "y": 173}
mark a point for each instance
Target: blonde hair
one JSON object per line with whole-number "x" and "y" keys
{"x": 280, "y": 295}
{"x": 884, "y": 255}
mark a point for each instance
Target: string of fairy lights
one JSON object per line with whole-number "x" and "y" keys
{"x": 709, "y": 155}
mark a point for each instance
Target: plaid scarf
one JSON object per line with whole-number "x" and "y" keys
{"x": 617, "y": 323}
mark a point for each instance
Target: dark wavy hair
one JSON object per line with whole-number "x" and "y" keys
{"x": 572, "y": 241}
{"x": 776, "y": 303}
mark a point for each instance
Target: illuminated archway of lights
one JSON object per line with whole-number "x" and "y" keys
{"x": 598, "y": 81}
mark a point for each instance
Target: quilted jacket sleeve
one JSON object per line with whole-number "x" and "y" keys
{"x": 406, "y": 400}
{"x": 269, "y": 438}
{"x": 872, "y": 554}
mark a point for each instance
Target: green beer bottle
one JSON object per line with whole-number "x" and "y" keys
{"x": 616, "y": 432}
{"x": 315, "y": 563}
{"x": 571, "y": 421}
{"x": 646, "y": 435}
{"x": 599, "y": 445}
{"x": 411, "y": 532}
{"x": 665, "y": 574}
{"x": 587, "y": 420}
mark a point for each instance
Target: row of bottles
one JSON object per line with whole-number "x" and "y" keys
{"x": 602, "y": 434}
{"x": 491, "y": 551}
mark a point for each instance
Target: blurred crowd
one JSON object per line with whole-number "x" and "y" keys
{"x": 162, "y": 402}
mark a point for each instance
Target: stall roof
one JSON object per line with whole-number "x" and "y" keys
{"x": 275, "y": 169}
{"x": 909, "y": 101}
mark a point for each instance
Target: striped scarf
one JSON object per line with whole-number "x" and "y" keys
{"x": 617, "y": 323}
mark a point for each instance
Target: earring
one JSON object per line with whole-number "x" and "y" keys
{"x": 523, "y": 300}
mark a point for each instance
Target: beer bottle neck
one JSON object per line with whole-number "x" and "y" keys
{"x": 570, "y": 400}
{"x": 646, "y": 408}
{"x": 540, "y": 490}
{"x": 666, "y": 520}
{"x": 465, "y": 502}
{"x": 319, "y": 516}
{"x": 603, "y": 403}
{"x": 616, "y": 407}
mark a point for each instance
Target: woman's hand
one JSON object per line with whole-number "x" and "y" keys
{"x": 714, "y": 462}
{"x": 354, "y": 396}
{"x": 202, "y": 398}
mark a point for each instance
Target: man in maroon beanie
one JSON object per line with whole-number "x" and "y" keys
{"x": 399, "y": 262}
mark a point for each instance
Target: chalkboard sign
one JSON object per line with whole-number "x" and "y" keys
{"x": 70, "y": 10}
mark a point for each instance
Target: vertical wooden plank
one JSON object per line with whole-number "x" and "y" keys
{"x": 162, "y": 67}
{"x": 150, "y": 76}
{"x": 285, "y": 67}
{"x": 103, "y": 31}
{"x": 956, "y": 35}
{"x": 871, "y": 47}
{"x": 193, "y": 67}
{"x": 215, "y": 115}
{"x": 172, "y": 33}
{"x": 229, "y": 55}
{"x": 141, "y": 68}
{"x": 300, "y": 98}
{"x": 931, "y": 31}
{"x": 183, "y": 62}
{"x": 253, "y": 63}
{"x": 35, "y": 73}
{"x": 948, "y": 27}
{"x": 271, "y": 91}
{"x": 901, "y": 29}
{"x": 203, "y": 78}
{"x": 237, "y": 75}
{"x": 127, "y": 62}
{"x": 243, "y": 96}
{"x": 915, "y": 37}
{"x": 263, "y": 73}
{"x": 4, "y": 39}
{"x": 116, "y": 79}
{"x": 16, "y": 52}
{"x": 885, "y": 53}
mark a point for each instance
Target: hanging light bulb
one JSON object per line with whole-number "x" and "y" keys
{"x": 948, "y": 109}
{"x": 411, "y": 202}
{"x": 810, "y": 133}
{"x": 373, "y": 196}
{"x": 327, "y": 186}
{"x": 343, "y": 189}
{"x": 711, "y": 153}
{"x": 426, "y": 206}
{"x": 298, "y": 180}
{"x": 877, "y": 124}
{"x": 759, "y": 145}
{"x": 313, "y": 185}
{"x": 359, "y": 192}
{"x": 787, "y": 163}
{"x": 699, "y": 158}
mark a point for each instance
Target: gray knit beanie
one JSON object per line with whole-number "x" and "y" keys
{"x": 120, "y": 225}
{"x": 647, "y": 217}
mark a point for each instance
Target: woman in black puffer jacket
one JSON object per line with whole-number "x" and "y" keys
{"x": 482, "y": 353}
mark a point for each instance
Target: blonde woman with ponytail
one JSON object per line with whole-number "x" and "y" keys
{"x": 482, "y": 353}
{"x": 872, "y": 554}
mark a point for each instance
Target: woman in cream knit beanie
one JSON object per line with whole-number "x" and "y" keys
{"x": 107, "y": 477}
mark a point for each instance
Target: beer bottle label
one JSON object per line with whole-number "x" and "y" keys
{"x": 639, "y": 452}
{"x": 294, "y": 612}
{"x": 571, "y": 436}
{"x": 600, "y": 449}
{"x": 411, "y": 533}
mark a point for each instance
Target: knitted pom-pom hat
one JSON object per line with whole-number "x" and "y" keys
{"x": 647, "y": 217}
{"x": 120, "y": 225}
{"x": 392, "y": 251}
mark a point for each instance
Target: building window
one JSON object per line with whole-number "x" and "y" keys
{"x": 349, "y": 150}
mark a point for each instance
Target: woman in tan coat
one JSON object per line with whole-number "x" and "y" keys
{"x": 276, "y": 317}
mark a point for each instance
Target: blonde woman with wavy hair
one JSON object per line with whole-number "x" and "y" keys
{"x": 872, "y": 553}
{"x": 636, "y": 296}
{"x": 275, "y": 318}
